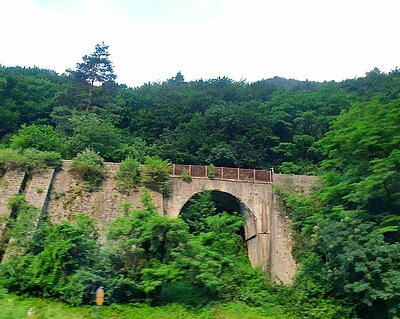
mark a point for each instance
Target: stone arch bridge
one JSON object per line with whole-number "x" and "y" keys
{"x": 268, "y": 233}
{"x": 267, "y": 229}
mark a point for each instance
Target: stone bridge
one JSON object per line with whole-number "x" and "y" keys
{"x": 267, "y": 229}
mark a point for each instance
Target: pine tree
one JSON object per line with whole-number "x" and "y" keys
{"x": 95, "y": 68}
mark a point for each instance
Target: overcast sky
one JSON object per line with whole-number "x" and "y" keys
{"x": 151, "y": 40}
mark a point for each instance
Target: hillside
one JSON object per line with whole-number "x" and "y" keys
{"x": 347, "y": 233}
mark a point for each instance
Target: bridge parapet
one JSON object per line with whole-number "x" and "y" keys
{"x": 224, "y": 173}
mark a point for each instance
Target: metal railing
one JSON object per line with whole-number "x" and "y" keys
{"x": 227, "y": 173}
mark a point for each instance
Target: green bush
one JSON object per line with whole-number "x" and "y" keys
{"x": 211, "y": 171}
{"x": 128, "y": 175}
{"x": 88, "y": 166}
{"x": 11, "y": 159}
{"x": 23, "y": 229}
{"x": 155, "y": 174}
{"x": 37, "y": 160}
{"x": 29, "y": 159}
{"x": 58, "y": 268}
{"x": 186, "y": 177}
{"x": 40, "y": 137}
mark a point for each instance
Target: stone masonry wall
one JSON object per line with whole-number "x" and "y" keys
{"x": 104, "y": 205}
{"x": 268, "y": 229}
{"x": 38, "y": 188}
{"x": 10, "y": 185}
{"x": 283, "y": 266}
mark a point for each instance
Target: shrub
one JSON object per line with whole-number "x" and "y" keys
{"x": 29, "y": 159}
{"x": 88, "y": 166}
{"x": 155, "y": 174}
{"x": 40, "y": 137}
{"x": 11, "y": 159}
{"x": 211, "y": 171}
{"x": 37, "y": 160}
{"x": 128, "y": 174}
{"x": 186, "y": 177}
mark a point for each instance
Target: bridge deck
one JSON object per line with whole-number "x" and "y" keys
{"x": 225, "y": 173}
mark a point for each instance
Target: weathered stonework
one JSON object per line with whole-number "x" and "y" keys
{"x": 10, "y": 185}
{"x": 104, "y": 205}
{"x": 37, "y": 191}
{"x": 268, "y": 231}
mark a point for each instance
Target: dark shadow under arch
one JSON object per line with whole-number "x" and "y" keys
{"x": 230, "y": 203}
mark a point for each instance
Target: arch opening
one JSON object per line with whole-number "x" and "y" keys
{"x": 225, "y": 202}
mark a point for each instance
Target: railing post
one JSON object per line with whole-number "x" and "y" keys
{"x": 206, "y": 171}
{"x": 222, "y": 172}
{"x": 173, "y": 169}
{"x": 190, "y": 170}
{"x": 238, "y": 174}
{"x": 254, "y": 175}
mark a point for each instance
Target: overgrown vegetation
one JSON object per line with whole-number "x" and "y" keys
{"x": 148, "y": 258}
{"x": 29, "y": 159}
{"x": 16, "y": 308}
{"x": 186, "y": 177}
{"x": 88, "y": 166}
{"x": 155, "y": 174}
{"x": 347, "y": 233}
{"x": 128, "y": 175}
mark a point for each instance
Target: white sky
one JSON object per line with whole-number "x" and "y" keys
{"x": 152, "y": 40}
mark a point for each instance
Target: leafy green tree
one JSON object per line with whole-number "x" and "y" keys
{"x": 143, "y": 244}
{"x": 40, "y": 137}
{"x": 135, "y": 148}
{"x": 97, "y": 133}
{"x": 66, "y": 250}
{"x": 196, "y": 212}
{"x": 366, "y": 176}
{"x": 29, "y": 159}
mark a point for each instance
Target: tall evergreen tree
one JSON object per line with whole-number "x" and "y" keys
{"x": 95, "y": 68}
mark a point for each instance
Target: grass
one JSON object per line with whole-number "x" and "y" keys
{"x": 14, "y": 307}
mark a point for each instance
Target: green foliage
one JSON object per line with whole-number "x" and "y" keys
{"x": 95, "y": 67}
{"x": 92, "y": 131}
{"x": 142, "y": 247}
{"x": 155, "y": 174}
{"x": 196, "y": 212}
{"x": 28, "y": 159}
{"x": 347, "y": 235}
{"x": 128, "y": 175}
{"x": 366, "y": 176}
{"x": 16, "y": 307}
{"x": 40, "y": 137}
{"x": 27, "y": 96}
{"x": 21, "y": 232}
{"x": 136, "y": 148}
{"x": 88, "y": 166}
{"x": 51, "y": 271}
{"x": 36, "y": 160}
{"x": 344, "y": 278}
{"x": 211, "y": 171}
{"x": 186, "y": 177}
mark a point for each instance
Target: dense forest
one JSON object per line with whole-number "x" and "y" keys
{"x": 347, "y": 232}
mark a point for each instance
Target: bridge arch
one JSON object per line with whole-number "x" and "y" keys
{"x": 227, "y": 202}
{"x": 255, "y": 201}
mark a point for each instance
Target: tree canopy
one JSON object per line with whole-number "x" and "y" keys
{"x": 347, "y": 233}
